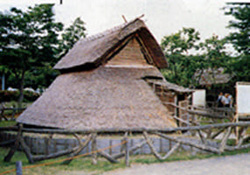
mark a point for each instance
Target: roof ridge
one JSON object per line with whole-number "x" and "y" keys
{"x": 108, "y": 31}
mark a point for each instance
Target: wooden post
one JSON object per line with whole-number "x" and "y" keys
{"x": 19, "y": 168}
{"x": 161, "y": 148}
{"x": 46, "y": 146}
{"x": 14, "y": 148}
{"x": 110, "y": 148}
{"x": 224, "y": 139}
{"x": 137, "y": 146}
{"x": 26, "y": 150}
{"x": 81, "y": 147}
{"x": 13, "y": 114}
{"x": 93, "y": 149}
{"x": 126, "y": 150}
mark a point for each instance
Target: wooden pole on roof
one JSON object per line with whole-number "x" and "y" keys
{"x": 125, "y": 20}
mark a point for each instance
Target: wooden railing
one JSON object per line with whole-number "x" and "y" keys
{"x": 5, "y": 117}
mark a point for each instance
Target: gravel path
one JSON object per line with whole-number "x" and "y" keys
{"x": 229, "y": 165}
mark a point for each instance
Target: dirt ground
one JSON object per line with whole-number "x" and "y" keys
{"x": 229, "y": 165}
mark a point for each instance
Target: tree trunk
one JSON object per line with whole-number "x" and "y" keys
{"x": 20, "y": 100}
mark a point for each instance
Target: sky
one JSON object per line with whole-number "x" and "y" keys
{"x": 163, "y": 17}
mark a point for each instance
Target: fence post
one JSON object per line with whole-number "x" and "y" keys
{"x": 19, "y": 168}
{"x": 126, "y": 150}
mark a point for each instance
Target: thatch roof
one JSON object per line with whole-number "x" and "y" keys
{"x": 103, "y": 98}
{"x": 96, "y": 49}
{"x": 170, "y": 86}
{"x": 209, "y": 76}
{"x": 103, "y": 85}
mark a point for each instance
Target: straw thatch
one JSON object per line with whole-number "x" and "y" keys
{"x": 170, "y": 86}
{"x": 104, "y": 98}
{"x": 96, "y": 49}
{"x": 209, "y": 76}
{"x": 103, "y": 85}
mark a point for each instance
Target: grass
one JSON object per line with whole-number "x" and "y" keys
{"x": 7, "y": 123}
{"x": 11, "y": 104}
{"x": 80, "y": 164}
{"x": 84, "y": 164}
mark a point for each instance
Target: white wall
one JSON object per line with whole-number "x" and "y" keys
{"x": 243, "y": 98}
{"x": 199, "y": 97}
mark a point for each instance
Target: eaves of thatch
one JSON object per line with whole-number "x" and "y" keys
{"x": 100, "y": 99}
{"x": 170, "y": 86}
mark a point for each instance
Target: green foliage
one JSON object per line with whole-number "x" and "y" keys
{"x": 28, "y": 40}
{"x": 71, "y": 35}
{"x": 180, "y": 42}
{"x": 239, "y": 38}
{"x": 30, "y": 45}
{"x": 8, "y": 96}
{"x": 7, "y": 123}
{"x": 183, "y": 65}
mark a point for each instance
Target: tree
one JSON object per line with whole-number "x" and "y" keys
{"x": 176, "y": 48}
{"x": 30, "y": 44}
{"x": 28, "y": 39}
{"x": 215, "y": 55}
{"x": 241, "y": 24}
{"x": 183, "y": 65}
{"x": 240, "y": 39}
{"x": 71, "y": 35}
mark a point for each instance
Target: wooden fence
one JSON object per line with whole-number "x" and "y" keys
{"x": 213, "y": 138}
{"x": 13, "y": 112}
{"x": 47, "y": 145}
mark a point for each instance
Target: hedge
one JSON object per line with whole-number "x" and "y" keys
{"x": 6, "y": 96}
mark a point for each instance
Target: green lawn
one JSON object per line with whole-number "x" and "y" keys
{"x": 84, "y": 163}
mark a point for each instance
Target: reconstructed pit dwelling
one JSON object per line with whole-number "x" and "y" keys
{"x": 106, "y": 84}
{"x": 110, "y": 83}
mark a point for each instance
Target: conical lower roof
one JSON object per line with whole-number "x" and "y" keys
{"x": 101, "y": 99}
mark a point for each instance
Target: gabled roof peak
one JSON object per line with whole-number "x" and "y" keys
{"x": 95, "y": 49}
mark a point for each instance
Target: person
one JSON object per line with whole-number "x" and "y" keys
{"x": 219, "y": 100}
{"x": 231, "y": 100}
{"x": 227, "y": 100}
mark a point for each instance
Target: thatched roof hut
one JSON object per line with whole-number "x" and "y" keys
{"x": 102, "y": 85}
{"x": 208, "y": 77}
